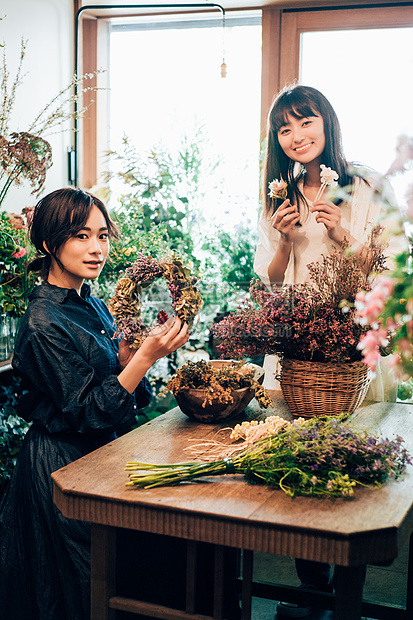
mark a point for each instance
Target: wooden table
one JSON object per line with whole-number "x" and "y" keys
{"x": 227, "y": 512}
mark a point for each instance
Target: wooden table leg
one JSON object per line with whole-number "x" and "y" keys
{"x": 191, "y": 556}
{"x": 348, "y": 586}
{"x": 218, "y": 582}
{"x": 103, "y": 549}
{"x": 246, "y": 597}
{"x": 409, "y": 594}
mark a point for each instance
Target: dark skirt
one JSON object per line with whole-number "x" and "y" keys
{"x": 44, "y": 557}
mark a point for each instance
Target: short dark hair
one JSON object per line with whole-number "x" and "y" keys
{"x": 57, "y": 217}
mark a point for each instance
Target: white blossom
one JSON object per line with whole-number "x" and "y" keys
{"x": 278, "y": 189}
{"x": 328, "y": 176}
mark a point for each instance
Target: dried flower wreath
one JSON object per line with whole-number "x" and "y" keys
{"x": 125, "y": 306}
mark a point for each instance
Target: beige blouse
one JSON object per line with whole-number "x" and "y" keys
{"x": 311, "y": 240}
{"x": 310, "y": 243}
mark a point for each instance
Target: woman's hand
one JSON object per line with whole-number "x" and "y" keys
{"x": 164, "y": 339}
{"x": 285, "y": 219}
{"x": 329, "y": 214}
{"x": 125, "y": 353}
{"x": 161, "y": 341}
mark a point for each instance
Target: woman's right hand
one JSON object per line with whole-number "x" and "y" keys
{"x": 285, "y": 219}
{"x": 164, "y": 339}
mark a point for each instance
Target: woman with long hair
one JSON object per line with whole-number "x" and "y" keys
{"x": 300, "y": 223}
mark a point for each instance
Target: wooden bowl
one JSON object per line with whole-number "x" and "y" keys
{"x": 190, "y": 401}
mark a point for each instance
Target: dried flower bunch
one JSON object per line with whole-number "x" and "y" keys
{"x": 25, "y": 154}
{"x": 278, "y": 189}
{"x": 242, "y": 436}
{"x": 317, "y": 458}
{"x": 125, "y": 306}
{"x": 314, "y": 321}
{"x": 327, "y": 177}
{"x": 218, "y": 383}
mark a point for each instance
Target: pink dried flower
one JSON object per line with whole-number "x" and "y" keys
{"x": 20, "y": 253}
{"x": 370, "y": 345}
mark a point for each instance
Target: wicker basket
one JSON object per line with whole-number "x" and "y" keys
{"x": 315, "y": 388}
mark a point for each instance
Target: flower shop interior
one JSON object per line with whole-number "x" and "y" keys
{"x": 181, "y": 175}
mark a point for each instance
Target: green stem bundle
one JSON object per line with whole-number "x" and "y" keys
{"x": 318, "y": 457}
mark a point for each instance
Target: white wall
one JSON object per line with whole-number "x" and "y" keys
{"x": 47, "y": 25}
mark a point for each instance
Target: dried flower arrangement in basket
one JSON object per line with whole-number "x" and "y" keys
{"x": 314, "y": 321}
{"x": 312, "y": 326}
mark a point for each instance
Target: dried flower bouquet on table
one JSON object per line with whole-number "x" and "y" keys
{"x": 125, "y": 305}
{"x": 318, "y": 458}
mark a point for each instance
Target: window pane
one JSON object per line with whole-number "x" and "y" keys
{"x": 166, "y": 82}
{"x": 366, "y": 74}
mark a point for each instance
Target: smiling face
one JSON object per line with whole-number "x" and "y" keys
{"x": 83, "y": 255}
{"x": 303, "y": 139}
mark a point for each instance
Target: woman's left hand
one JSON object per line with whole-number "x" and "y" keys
{"x": 125, "y": 353}
{"x": 329, "y": 214}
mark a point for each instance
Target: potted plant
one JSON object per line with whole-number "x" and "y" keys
{"x": 313, "y": 328}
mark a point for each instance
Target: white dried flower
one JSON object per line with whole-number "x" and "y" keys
{"x": 278, "y": 189}
{"x": 328, "y": 176}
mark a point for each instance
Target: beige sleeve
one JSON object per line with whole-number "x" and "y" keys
{"x": 268, "y": 239}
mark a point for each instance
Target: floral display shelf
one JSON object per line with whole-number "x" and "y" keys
{"x": 229, "y": 512}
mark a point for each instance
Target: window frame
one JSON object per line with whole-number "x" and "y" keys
{"x": 282, "y": 30}
{"x": 282, "y": 27}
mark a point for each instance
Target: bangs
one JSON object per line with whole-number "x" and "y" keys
{"x": 79, "y": 217}
{"x": 292, "y": 104}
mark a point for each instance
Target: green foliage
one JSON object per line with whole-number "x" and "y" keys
{"x": 12, "y": 428}
{"x": 230, "y": 256}
{"x": 164, "y": 189}
{"x": 14, "y": 256}
{"x": 158, "y": 211}
{"x": 405, "y": 390}
{"x": 136, "y": 237}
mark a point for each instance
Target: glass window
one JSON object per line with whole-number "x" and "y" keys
{"x": 365, "y": 75}
{"x": 166, "y": 86}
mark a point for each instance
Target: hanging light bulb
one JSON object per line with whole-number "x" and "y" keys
{"x": 223, "y": 65}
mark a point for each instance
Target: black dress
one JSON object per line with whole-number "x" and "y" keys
{"x": 68, "y": 362}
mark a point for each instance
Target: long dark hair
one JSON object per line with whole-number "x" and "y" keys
{"x": 300, "y": 102}
{"x": 59, "y": 216}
